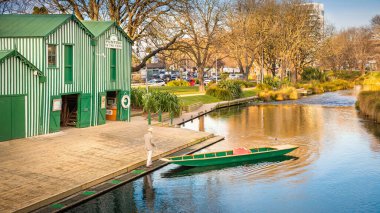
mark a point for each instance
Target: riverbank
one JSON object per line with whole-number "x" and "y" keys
{"x": 40, "y": 170}
{"x": 369, "y": 104}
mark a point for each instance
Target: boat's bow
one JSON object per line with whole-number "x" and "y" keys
{"x": 284, "y": 147}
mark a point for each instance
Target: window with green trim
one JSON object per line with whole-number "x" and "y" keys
{"x": 52, "y": 55}
{"x": 68, "y": 64}
{"x": 113, "y": 65}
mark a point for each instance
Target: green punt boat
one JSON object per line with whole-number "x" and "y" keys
{"x": 230, "y": 156}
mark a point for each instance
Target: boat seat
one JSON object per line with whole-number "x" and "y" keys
{"x": 241, "y": 151}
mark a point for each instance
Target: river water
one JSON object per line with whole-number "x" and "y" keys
{"x": 336, "y": 168}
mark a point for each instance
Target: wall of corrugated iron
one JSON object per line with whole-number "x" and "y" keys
{"x": 18, "y": 79}
{"x": 68, "y": 34}
{"x": 103, "y": 81}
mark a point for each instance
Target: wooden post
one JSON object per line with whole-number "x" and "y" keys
{"x": 160, "y": 116}
{"x": 149, "y": 118}
{"x": 171, "y": 118}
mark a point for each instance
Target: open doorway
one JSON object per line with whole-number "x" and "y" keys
{"x": 69, "y": 113}
{"x": 111, "y": 113}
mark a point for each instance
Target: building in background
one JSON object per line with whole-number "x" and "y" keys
{"x": 59, "y": 73}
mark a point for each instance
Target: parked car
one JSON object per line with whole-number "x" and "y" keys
{"x": 173, "y": 77}
{"x": 156, "y": 82}
{"x": 207, "y": 81}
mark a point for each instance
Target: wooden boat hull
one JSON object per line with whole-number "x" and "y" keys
{"x": 218, "y": 158}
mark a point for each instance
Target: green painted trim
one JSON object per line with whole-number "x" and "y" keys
{"x": 57, "y": 206}
{"x": 88, "y": 193}
{"x": 53, "y": 68}
{"x": 13, "y": 95}
{"x": 70, "y": 93}
{"x": 138, "y": 171}
{"x": 15, "y": 53}
{"x": 69, "y": 44}
{"x": 75, "y": 19}
{"x": 115, "y": 181}
{"x": 93, "y": 115}
{"x": 119, "y": 29}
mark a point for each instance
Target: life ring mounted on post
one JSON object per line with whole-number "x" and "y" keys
{"x": 125, "y": 99}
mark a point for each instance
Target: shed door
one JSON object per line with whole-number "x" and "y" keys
{"x": 12, "y": 120}
{"x": 84, "y": 111}
{"x": 123, "y": 114}
{"x": 102, "y": 108}
{"x": 18, "y": 117}
{"x": 55, "y": 114}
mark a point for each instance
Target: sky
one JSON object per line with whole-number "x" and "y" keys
{"x": 350, "y": 13}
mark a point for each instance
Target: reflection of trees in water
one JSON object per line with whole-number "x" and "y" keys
{"x": 374, "y": 129}
{"x": 265, "y": 125}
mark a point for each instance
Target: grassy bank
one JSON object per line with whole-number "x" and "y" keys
{"x": 369, "y": 104}
{"x": 177, "y": 90}
{"x": 204, "y": 99}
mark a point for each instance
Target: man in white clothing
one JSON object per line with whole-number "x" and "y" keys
{"x": 149, "y": 145}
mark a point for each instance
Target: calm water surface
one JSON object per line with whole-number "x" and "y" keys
{"x": 336, "y": 168}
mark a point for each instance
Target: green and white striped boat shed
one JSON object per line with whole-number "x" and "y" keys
{"x": 56, "y": 70}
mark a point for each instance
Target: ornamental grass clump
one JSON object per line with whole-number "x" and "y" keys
{"x": 369, "y": 104}
{"x": 156, "y": 101}
{"x": 219, "y": 93}
{"x": 177, "y": 83}
{"x": 137, "y": 97}
{"x": 233, "y": 86}
{"x": 287, "y": 93}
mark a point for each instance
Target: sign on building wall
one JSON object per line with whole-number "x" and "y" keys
{"x": 103, "y": 103}
{"x": 57, "y": 104}
{"x": 113, "y": 42}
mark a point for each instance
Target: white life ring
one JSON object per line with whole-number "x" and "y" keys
{"x": 125, "y": 98}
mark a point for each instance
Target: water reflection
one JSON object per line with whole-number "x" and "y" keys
{"x": 149, "y": 192}
{"x": 336, "y": 168}
{"x": 256, "y": 166}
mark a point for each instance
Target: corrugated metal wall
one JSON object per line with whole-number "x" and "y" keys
{"x": 35, "y": 50}
{"x": 67, "y": 34}
{"x": 18, "y": 79}
{"x": 30, "y": 48}
{"x": 102, "y": 67}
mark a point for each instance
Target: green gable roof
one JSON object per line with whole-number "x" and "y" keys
{"x": 28, "y": 25}
{"x": 97, "y": 28}
{"x": 4, "y": 54}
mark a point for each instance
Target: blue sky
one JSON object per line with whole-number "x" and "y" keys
{"x": 350, "y": 13}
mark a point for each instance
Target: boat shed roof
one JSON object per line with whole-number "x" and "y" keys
{"x": 5, "y": 54}
{"x": 31, "y": 25}
{"x": 98, "y": 28}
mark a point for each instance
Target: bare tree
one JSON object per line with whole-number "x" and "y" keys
{"x": 248, "y": 26}
{"x": 201, "y": 22}
{"x": 149, "y": 23}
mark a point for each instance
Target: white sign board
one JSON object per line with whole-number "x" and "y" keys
{"x": 57, "y": 104}
{"x": 113, "y": 42}
{"x": 103, "y": 103}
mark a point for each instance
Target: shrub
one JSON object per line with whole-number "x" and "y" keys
{"x": 232, "y": 86}
{"x": 156, "y": 101}
{"x": 369, "y": 104}
{"x": 177, "y": 83}
{"x": 337, "y": 84}
{"x": 287, "y": 93}
{"x": 310, "y": 73}
{"x": 220, "y": 93}
{"x": 137, "y": 97}
{"x": 272, "y": 82}
{"x": 224, "y": 76}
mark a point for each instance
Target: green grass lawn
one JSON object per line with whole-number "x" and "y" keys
{"x": 180, "y": 90}
{"x": 250, "y": 93}
{"x": 205, "y": 99}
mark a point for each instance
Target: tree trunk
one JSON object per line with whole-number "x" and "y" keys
{"x": 200, "y": 78}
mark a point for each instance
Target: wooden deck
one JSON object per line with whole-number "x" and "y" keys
{"x": 40, "y": 170}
